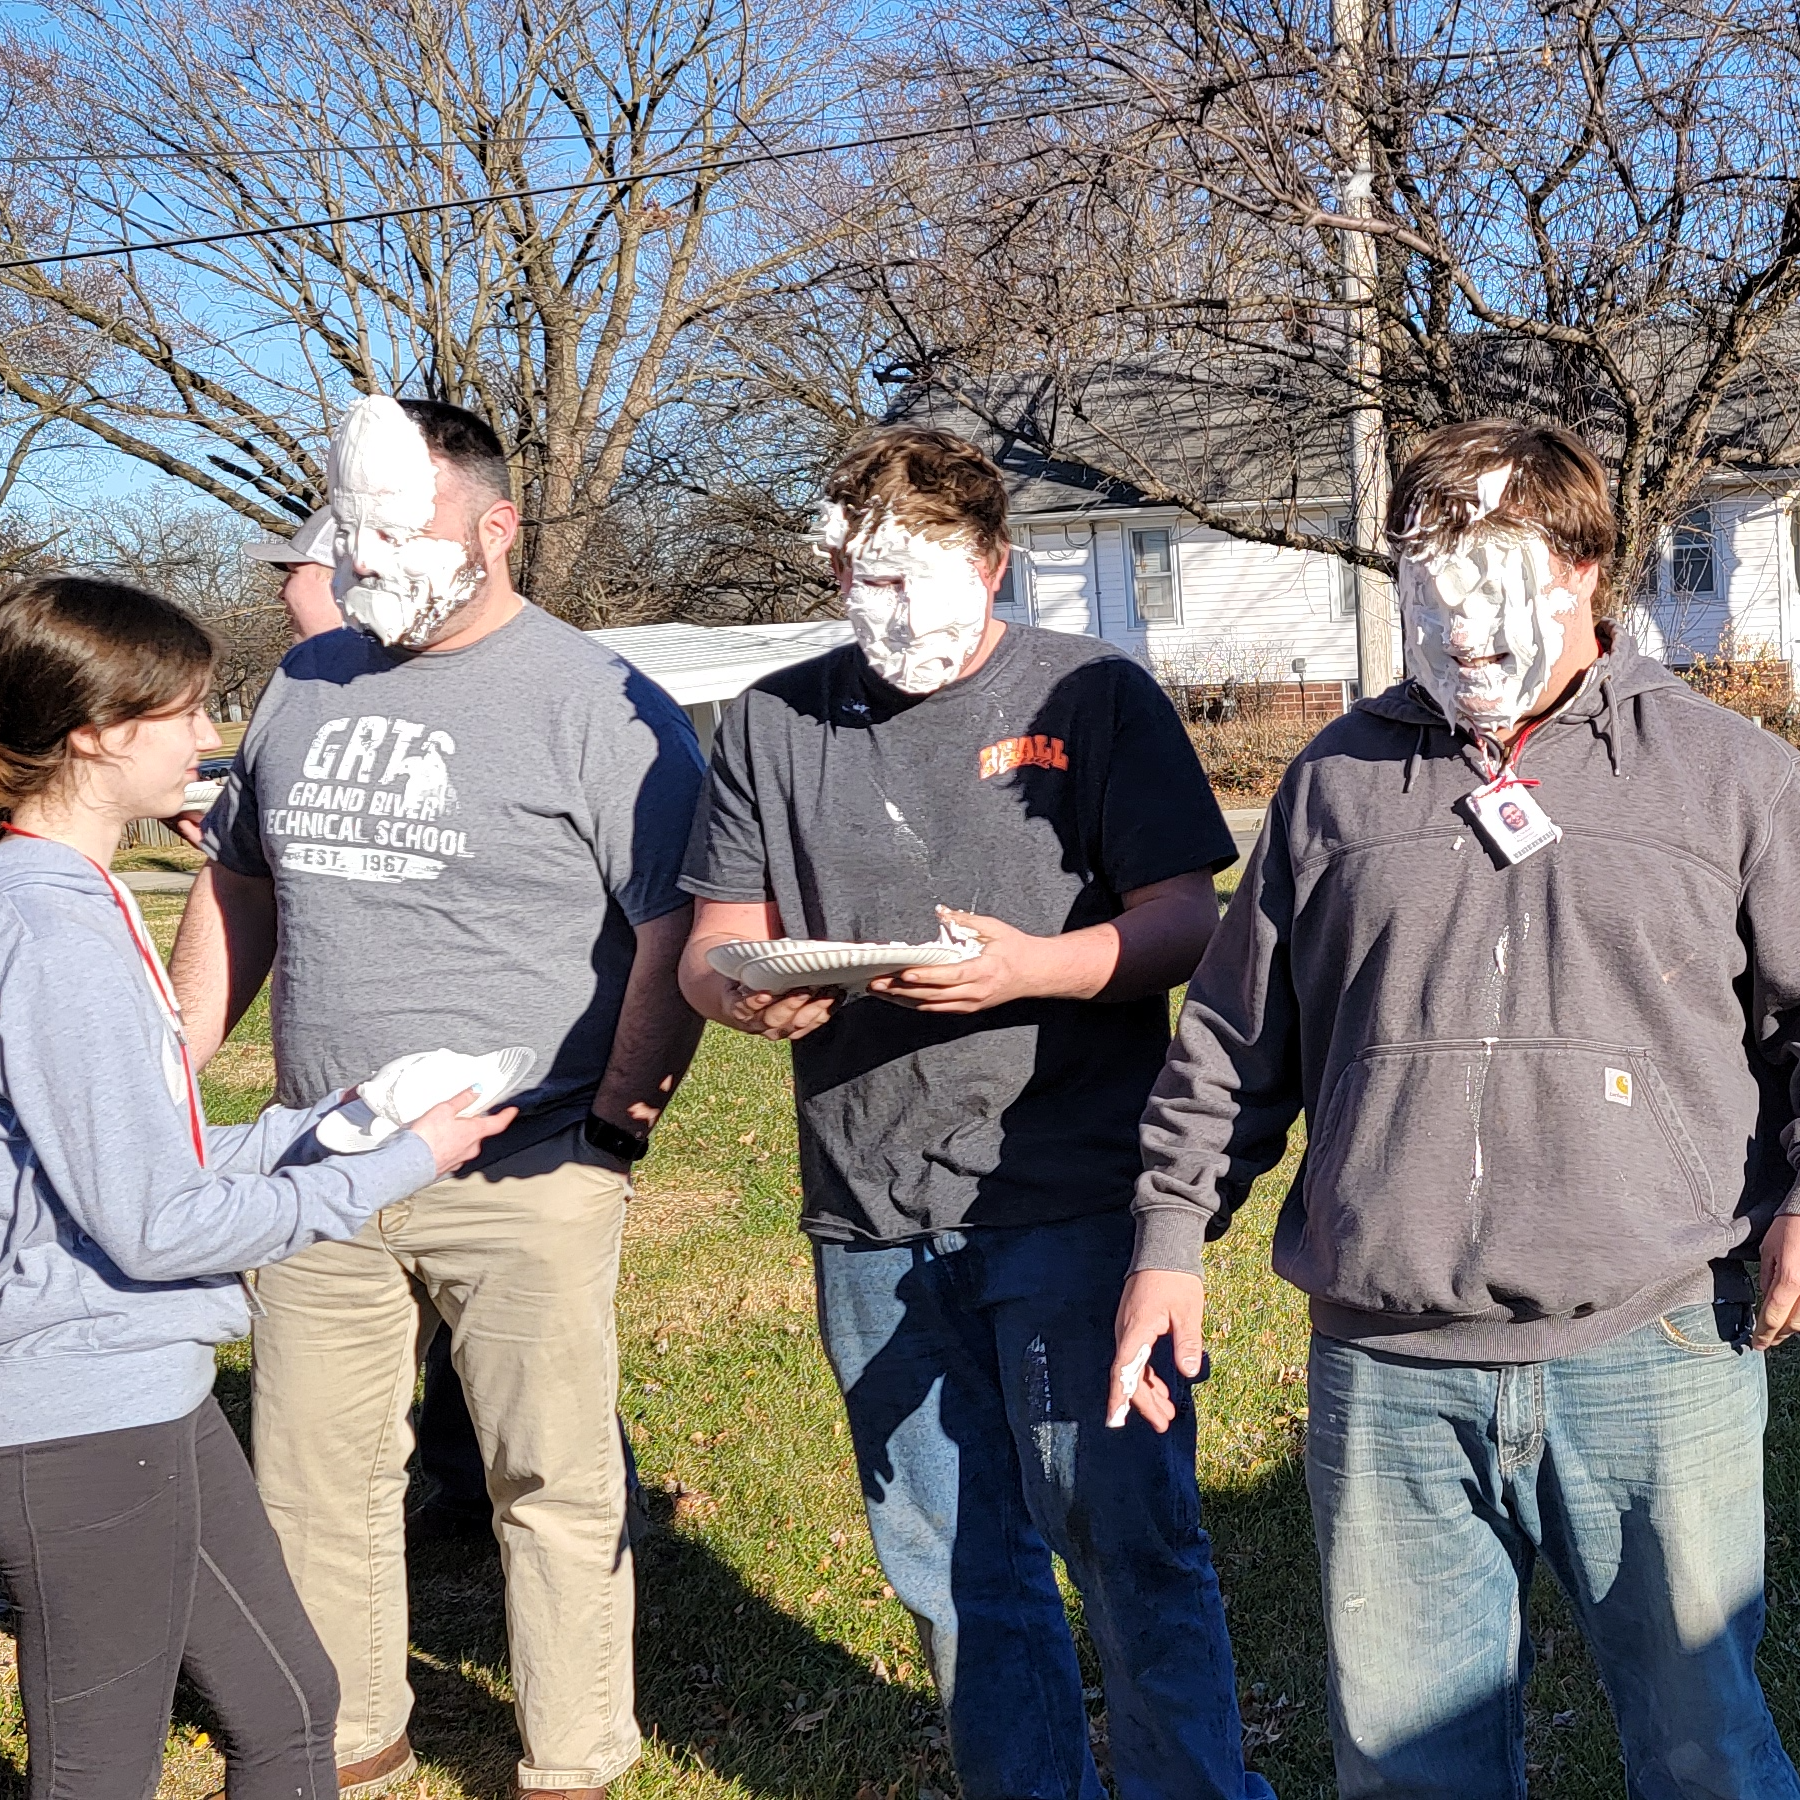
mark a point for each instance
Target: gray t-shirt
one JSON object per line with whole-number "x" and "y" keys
{"x": 461, "y": 843}
{"x": 1040, "y": 790}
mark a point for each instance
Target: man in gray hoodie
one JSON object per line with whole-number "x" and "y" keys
{"x": 1521, "y": 938}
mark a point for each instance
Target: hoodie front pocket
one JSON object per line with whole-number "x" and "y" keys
{"x": 1531, "y": 1177}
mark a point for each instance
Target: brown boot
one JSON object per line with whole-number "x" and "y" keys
{"x": 376, "y": 1774}
{"x": 523, "y": 1793}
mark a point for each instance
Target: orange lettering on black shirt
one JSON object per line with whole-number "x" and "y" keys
{"x": 1036, "y": 752}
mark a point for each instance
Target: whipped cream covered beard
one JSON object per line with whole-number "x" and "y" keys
{"x": 383, "y": 495}
{"x": 918, "y": 605}
{"x": 1484, "y": 623}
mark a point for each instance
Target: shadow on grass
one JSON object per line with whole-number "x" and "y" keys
{"x": 726, "y": 1680}
{"x": 729, "y": 1681}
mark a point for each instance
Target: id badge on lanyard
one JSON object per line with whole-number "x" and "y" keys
{"x": 1506, "y": 814}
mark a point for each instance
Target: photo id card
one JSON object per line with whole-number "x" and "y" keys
{"x": 1510, "y": 821}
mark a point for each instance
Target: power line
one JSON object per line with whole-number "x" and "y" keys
{"x": 476, "y": 203}
{"x": 1492, "y": 52}
{"x": 275, "y": 153}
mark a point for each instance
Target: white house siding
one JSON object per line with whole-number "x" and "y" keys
{"x": 1751, "y": 610}
{"x": 1062, "y": 576}
{"x": 1752, "y": 569}
{"x": 1277, "y": 604}
{"x": 1238, "y": 602}
{"x": 1267, "y": 606}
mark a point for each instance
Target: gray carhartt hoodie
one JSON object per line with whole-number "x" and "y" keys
{"x": 1541, "y": 1099}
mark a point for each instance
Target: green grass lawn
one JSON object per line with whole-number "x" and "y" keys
{"x": 771, "y": 1660}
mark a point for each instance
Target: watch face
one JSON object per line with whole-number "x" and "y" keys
{"x": 602, "y": 1134}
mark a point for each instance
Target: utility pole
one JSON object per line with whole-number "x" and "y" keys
{"x": 1377, "y": 621}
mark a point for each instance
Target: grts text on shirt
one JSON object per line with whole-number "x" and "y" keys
{"x": 462, "y": 843}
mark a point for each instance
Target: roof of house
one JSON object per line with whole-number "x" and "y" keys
{"x": 697, "y": 663}
{"x": 1248, "y": 431}
{"x": 1260, "y": 430}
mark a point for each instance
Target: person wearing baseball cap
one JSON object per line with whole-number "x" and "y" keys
{"x": 306, "y": 561}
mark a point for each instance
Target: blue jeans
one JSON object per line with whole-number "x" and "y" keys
{"x": 974, "y": 1370}
{"x": 1634, "y": 1469}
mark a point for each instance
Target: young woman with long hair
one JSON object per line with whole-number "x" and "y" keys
{"x": 132, "y": 1542}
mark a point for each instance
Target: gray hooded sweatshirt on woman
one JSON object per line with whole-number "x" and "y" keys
{"x": 118, "y": 1251}
{"x": 1541, "y": 1099}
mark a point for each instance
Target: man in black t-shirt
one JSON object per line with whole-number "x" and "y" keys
{"x": 968, "y": 1132}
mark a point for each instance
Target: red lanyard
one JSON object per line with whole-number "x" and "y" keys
{"x": 158, "y": 978}
{"x": 1506, "y": 775}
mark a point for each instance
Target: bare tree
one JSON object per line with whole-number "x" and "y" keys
{"x": 714, "y": 520}
{"x": 192, "y": 553}
{"x": 1587, "y": 213}
{"x": 573, "y": 226}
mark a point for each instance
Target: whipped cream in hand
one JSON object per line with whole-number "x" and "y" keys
{"x": 410, "y": 1086}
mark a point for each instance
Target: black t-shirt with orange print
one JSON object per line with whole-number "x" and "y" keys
{"x": 1039, "y": 790}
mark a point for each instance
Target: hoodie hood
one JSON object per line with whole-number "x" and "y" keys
{"x": 32, "y": 862}
{"x": 49, "y": 885}
{"x": 1621, "y": 673}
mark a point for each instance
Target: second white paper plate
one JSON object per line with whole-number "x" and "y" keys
{"x": 775, "y": 965}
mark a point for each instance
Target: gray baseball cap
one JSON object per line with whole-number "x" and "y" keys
{"x": 312, "y": 543}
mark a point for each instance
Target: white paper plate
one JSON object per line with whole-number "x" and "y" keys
{"x": 775, "y": 965}
{"x": 200, "y": 795}
{"x": 356, "y": 1125}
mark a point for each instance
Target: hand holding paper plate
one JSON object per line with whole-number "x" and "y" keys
{"x": 410, "y": 1086}
{"x": 778, "y": 965}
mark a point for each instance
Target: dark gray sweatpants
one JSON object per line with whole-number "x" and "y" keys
{"x": 128, "y": 1556}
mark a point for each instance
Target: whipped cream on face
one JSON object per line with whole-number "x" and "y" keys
{"x": 917, "y": 604}
{"x": 383, "y": 490}
{"x": 1484, "y": 622}
{"x": 1482, "y": 613}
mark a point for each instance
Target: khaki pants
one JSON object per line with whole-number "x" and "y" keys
{"x": 521, "y": 1261}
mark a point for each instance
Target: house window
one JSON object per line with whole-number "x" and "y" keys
{"x": 1006, "y": 596}
{"x": 1343, "y": 576}
{"x": 1153, "y": 577}
{"x": 1692, "y": 566}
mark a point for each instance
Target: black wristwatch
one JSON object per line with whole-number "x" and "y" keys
{"x": 614, "y": 1140}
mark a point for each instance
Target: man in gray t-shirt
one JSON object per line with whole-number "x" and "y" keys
{"x": 461, "y": 825}
{"x": 461, "y": 846}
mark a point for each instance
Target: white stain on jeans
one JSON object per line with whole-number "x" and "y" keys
{"x": 1053, "y": 1438}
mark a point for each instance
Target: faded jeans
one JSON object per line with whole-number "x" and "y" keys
{"x": 1634, "y": 1469}
{"x": 974, "y": 1370}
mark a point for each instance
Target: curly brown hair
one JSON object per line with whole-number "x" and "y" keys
{"x": 76, "y": 651}
{"x": 926, "y": 480}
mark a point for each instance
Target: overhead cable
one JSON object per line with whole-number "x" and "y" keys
{"x": 478, "y": 202}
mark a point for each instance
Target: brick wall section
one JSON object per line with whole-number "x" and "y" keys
{"x": 1279, "y": 701}
{"x": 1323, "y": 700}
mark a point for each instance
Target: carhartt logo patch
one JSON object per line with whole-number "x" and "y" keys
{"x": 1618, "y": 1086}
{"x": 1023, "y": 753}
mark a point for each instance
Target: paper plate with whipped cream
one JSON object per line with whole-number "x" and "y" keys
{"x": 774, "y": 965}
{"x": 410, "y": 1086}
